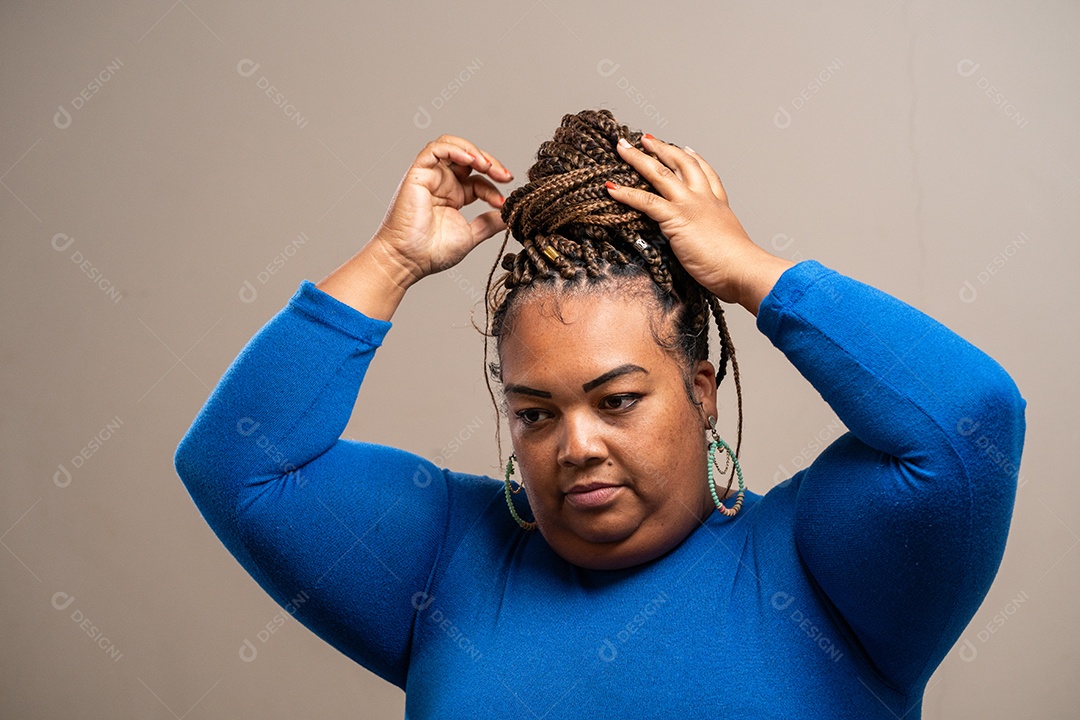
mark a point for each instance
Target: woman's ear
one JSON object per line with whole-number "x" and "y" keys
{"x": 704, "y": 385}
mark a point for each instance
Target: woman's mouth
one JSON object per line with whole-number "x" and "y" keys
{"x": 593, "y": 498}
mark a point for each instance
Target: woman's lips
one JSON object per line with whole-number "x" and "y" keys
{"x": 593, "y": 498}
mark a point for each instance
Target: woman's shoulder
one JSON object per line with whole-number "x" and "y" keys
{"x": 474, "y": 494}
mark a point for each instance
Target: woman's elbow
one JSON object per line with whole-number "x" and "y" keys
{"x": 991, "y": 426}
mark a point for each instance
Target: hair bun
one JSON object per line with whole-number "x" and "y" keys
{"x": 565, "y": 195}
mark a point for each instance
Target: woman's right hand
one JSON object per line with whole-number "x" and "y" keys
{"x": 424, "y": 229}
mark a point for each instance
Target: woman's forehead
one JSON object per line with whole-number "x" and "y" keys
{"x": 580, "y": 337}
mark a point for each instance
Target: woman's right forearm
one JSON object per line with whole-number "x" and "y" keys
{"x": 371, "y": 281}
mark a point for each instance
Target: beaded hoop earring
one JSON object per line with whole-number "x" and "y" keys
{"x": 717, "y": 442}
{"x": 528, "y": 525}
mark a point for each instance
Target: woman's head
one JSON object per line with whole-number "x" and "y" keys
{"x": 602, "y": 340}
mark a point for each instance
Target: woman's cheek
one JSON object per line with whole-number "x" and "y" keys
{"x": 534, "y": 467}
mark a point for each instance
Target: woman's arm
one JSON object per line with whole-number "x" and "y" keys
{"x": 343, "y": 534}
{"x": 334, "y": 530}
{"x": 902, "y": 521}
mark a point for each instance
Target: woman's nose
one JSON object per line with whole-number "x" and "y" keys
{"x": 582, "y": 441}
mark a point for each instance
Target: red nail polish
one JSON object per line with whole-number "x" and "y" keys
{"x": 610, "y": 185}
{"x": 649, "y": 136}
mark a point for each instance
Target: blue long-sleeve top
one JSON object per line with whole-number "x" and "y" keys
{"x": 834, "y": 595}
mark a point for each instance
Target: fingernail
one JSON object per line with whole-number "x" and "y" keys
{"x": 610, "y": 185}
{"x": 690, "y": 150}
{"x": 623, "y": 142}
{"x": 647, "y": 135}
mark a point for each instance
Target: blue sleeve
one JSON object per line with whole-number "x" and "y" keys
{"x": 902, "y": 521}
{"x": 344, "y": 534}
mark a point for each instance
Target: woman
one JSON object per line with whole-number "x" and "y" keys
{"x": 622, "y": 581}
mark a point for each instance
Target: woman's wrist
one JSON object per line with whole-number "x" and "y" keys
{"x": 372, "y": 281}
{"x": 752, "y": 278}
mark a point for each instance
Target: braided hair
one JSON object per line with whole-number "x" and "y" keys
{"x": 574, "y": 235}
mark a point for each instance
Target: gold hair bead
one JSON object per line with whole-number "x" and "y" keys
{"x": 551, "y": 252}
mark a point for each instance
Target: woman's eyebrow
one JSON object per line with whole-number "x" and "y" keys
{"x": 612, "y": 374}
{"x": 609, "y": 375}
{"x": 522, "y": 390}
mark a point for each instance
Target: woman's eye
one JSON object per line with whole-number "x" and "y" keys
{"x": 620, "y": 402}
{"x": 530, "y": 416}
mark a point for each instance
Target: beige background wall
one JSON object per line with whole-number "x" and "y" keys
{"x": 150, "y": 185}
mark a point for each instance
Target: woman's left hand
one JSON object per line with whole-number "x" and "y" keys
{"x": 693, "y": 213}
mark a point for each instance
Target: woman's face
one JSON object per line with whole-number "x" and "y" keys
{"x": 595, "y": 399}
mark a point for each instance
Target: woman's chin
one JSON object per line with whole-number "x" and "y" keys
{"x": 605, "y": 530}
{"x": 605, "y": 535}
